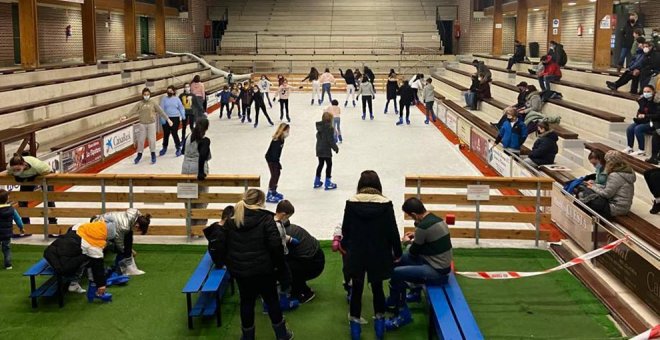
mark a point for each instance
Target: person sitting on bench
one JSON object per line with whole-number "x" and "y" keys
{"x": 632, "y": 71}
{"x": 305, "y": 258}
{"x": 616, "y": 196}
{"x": 518, "y": 55}
{"x": 122, "y": 224}
{"x": 652, "y": 177}
{"x": 81, "y": 248}
{"x": 427, "y": 261}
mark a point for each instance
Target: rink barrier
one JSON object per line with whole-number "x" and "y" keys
{"x": 468, "y": 197}
{"x": 133, "y": 190}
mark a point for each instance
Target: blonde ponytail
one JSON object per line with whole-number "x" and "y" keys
{"x": 252, "y": 199}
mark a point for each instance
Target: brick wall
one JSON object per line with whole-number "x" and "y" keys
{"x": 6, "y": 35}
{"x": 537, "y": 30}
{"x": 578, "y": 48}
{"x": 179, "y": 35}
{"x": 110, "y": 41}
{"x": 54, "y": 47}
{"x": 465, "y": 17}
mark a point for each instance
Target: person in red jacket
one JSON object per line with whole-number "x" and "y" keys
{"x": 551, "y": 72}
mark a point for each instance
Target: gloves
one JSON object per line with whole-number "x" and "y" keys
{"x": 336, "y": 245}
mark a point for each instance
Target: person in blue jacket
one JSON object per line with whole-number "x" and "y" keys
{"x": 223, "y": 97}
{"x": 545, "y": 147}
{"x": 513, "y": 132}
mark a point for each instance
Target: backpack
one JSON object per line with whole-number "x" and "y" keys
{"x": 572, "y": 185}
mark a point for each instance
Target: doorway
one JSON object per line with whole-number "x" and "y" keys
{"x": 144, "y": 35}
{"x": 447, "y": 35}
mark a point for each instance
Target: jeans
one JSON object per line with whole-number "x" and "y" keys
{"x": 284, "y": 107}
{"x": 326, "y": 88}
{"x": 511, "y": 63}
{"x": 328, "y": 168}
{"x": 413, "y": 269}
{"x": 303, "y": 270}
{"x": 367, "y": 101}
{"x": 267, "y": 96}
{"x": 471, "y": 99}
{"x": 429, "y": 111}
{"x": 172, "y": 130}
{"x": 249, "y": 289}
{"x": 624, "y": 55}
{"x": 275, "y": 171}
{"x": 545, "y": 81}
{"x": 336, "y": 122}
{"x": 638, "y": 131}
{"x": 357, "y": 284}
{"x": 6, "y": 251}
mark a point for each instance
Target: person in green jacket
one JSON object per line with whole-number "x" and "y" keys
{"x": 27, "y": 169}
{"x": 597, "y": 159}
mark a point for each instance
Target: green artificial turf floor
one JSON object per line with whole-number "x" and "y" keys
{"x": 554, "y": 306}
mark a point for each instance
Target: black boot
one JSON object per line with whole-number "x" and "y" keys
{"x": 281, "y": 332}
{"x": 656, "y": 208}
{"x": 653, "y": 160}
{"x": 248, "y": 333}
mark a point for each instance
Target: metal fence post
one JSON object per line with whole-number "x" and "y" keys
{"x": 419, "y": 189}
{"x": 188, "y": 218}
{"x": 102, "y": 196}
{"x": 245, "y": 185}
{"x": 130, "y": 193}
{"x": 44, "y": 191}
{"x": 478, "y": 217}
{"x": 537, "y": 220}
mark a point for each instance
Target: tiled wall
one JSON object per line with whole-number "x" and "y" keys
{"x": 6, "y": 35}
{"x": 54, "y": 47}
{"x": 110, "y": 41}
{"x": 537, "y": 30}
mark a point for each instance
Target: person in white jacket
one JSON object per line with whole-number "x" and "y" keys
{"x": 121, "y": 224}
{"x": 417, "y": 83}
{"x": 264, "y": 85}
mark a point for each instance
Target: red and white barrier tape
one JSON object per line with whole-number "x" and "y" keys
{"x": 516, "y": 275}
{"x": 653, "y": 333}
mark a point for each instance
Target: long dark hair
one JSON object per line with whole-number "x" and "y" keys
{"x": 196, "y": 79}
{"x": 143, "y": 222}
{"x": 16, "y": 160}
{"x": 349, "y": 73}
{"x": 200, "y": 130}
{"x": 369, "y": 179}
{"x": 313, "y": 73}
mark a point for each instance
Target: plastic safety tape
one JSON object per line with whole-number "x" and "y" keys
{"x": 516, "y": 275}
{"x": 653, "y": 333}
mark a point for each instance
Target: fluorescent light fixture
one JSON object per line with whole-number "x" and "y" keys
{"x": 572, "y": 3}
{"x": 536, "y": 9}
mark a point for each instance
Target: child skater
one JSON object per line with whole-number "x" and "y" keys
{"x": 336, "y": 120}
{"x": 234, "y": 100}
{"x": 259, "y": 105}
{"x": 264, "y": 85}
{"x": 368, "y": 93}
{"x": 273, "y": 158}
{"x": 246, "y": 102}
{"x": 392, "y": 89}
{"x": 325, "y": 143}
{"x": 406, "y": 98}
{"x": 223, "y": 97}
{"x": 283, "y": 93}
{"x": 313, "y": 77}
{"x": 8, "y": 215}
{"x": 349, "y": 77}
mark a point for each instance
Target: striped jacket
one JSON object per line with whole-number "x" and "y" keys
{"x": 432, "y": 242}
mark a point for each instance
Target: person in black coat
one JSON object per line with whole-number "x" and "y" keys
{"x": 627, "y": 39}
{"x": 545, "y": 147}
{"x": 406, "y": 98}
{"x": 259, "y": 104}
{"x": 372, "y": 243}
{"x": 246, "y": 103}
{"x": 518, "y": 55}
{"x": 325, "y": 144}
{"x": 273, "y": 158}
{"x": 650, "y": 64}
{"x": 250, "y": 246}
{"x": 392, "y": 89}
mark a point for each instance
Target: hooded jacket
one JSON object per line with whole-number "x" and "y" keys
{"x": 406, "y": 94}
{"x": 551, "y": 68}
{"x": 512, "y": 136}
{"x": 120, "y": 223}
{"x": 8, "y": 215}
{"x": 650, "y": 62}
{"x": 519, "y": 53}
{"x": 619, "y": 190}
{"x": 545, "y": 149}
{"x": 215, "y": 237}
{"x": 392, "y": 88}
{"x": 253, "y": 249}
{"x": 370, "y": 236}
{"x": 484, "y": 72}
{"x": 325, "y": 140}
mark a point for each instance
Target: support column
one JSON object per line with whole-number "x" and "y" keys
{"x": 160, "y": 28}
{"x": 498, "y": 23}
{"x": 27, "y": 21}
{"x": 89, "y": 31}
{"x": 554, "y": 21}
{"x": 603, "y": 29}
{"x": 522, "y": 13}
{"x": 130, "y": 37}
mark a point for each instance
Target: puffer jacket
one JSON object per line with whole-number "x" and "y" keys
{"x": 545, "y": 148}
{"x": 253, "y": 249}
{"x": 122, "y": 223}
{"x": 325, "y": 139}
{"x": 619, "y": 191}
{"x": 533, "y": 102}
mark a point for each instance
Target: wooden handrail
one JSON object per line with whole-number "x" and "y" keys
{"x": 434, "y": 181}
{"x": 74, "y": 179}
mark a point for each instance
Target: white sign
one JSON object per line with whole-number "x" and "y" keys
{"x": 606, "y": 22}
{"x": 498, "y": 25}
{"x": 187, "y": 190}
{"x": 501, "y": 162}
{"x": 478, "y": 192}
{"x": 117, "y": 141}
{"x": 555, "y": 31}
{"x": 555, "y": 23}
{"x": 54, "y": 161}
{"x": 452, "y": 121}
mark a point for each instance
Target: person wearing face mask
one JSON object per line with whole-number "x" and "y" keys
{"x": 551, "y": 72}
{"x": 650, "y": 65}
{"x": 283, "y": 94}
{"x": 518, "y": 55}
{"x": 597, "y": 160}
{"x": 632, "y": 72}
{"x": 147, "y": 110}
{"x": 264, "y": 86}
{"x": 173, "y": 107}
{"x": 655, "y": 139}
{"x": 187, "y": 102}
{"x": 655, "y": 37}
{"x": 273, "y": 159}
{"x": 642, "y": 122}
{"x": 199, "y": 91}
{"x": 513, "y": 133}
{"x": 196, "y": 157}
{"x": 246, "y": 102}
{"x": 626, "y": 39}
{"x": 545, "y": 147}
{"x": 427, "y": 260}
{"x": 616, "y": 196}
{"x": 259, "y": 105}
{"x": 26, "y": 169}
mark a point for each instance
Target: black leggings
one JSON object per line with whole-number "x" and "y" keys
{"x": 357, "y": 281}
{"x": 189, "y": 121}
{"x": 284, "y": 106}
{"x": 257, "y": 108}
{"x": 249, "y": 289}
{"x": 404, "y": 106}
{"x": 328, "y": 168}
{"x": 367, "y": 100}
{"x": 652, "y": 178}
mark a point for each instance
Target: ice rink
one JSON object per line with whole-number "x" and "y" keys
{"x": 392, "y": 151}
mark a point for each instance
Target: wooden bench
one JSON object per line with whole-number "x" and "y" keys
{"x": 56, "y": 81}
{"x": 153, "y": 67}
{"x": 450, "y": 316}
{"x": 54, "y": 286}
{"x": 486, "y": 56}
{"x": 590, "y": 111}
{"x": 558, "y": 129}
{"x": 210, "y": 284}
{"x": 637, "y": 164}
{"x": 600, "y": 90}
{"x": 451, "y": 83}
{"x": 495, "y": 68}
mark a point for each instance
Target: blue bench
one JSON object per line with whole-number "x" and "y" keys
{"x": 52, "y": 287}
{"x": 450, "y": 317}
{"x": 210, "y": 284}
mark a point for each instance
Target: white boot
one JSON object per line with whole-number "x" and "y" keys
{"x": 75, "y": 287}
{"x": 128, "y": 267}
